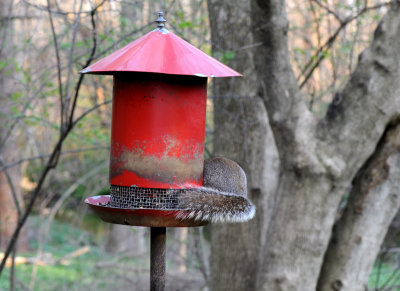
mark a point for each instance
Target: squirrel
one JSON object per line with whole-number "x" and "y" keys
{"x": 223, "y": 196}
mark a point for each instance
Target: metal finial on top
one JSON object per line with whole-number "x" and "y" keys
{"x": 161, "y": 20}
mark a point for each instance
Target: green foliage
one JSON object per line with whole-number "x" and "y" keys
{"x": 104, "y": 191}
{"x": 225, "y": 56}
{"x": 79, "y": 192}
{"x": 384, "y": 275}
{"x": 80, "y": 274}
{"x": 3, "y": 64}
{"x": 185, "y": 24}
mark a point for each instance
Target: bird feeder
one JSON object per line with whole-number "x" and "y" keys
{"x": 158, "y": 128}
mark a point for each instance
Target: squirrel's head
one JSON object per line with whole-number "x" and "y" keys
{"x": 224, "y": 175}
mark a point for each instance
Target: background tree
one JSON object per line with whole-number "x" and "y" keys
{"x": 320, "y": 158}
{"x": 315, "y": 130}
{"x": 242, "y": 133}
{"x": 11, "y": 203}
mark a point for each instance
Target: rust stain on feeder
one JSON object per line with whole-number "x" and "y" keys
{"x": 165, "y": 167}
{"x": 166, "y": 170}
{"x": 158, "y": 129}
{"x": 158, "y": 125}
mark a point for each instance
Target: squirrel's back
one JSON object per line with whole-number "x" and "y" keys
{"x": 223, "y": 196}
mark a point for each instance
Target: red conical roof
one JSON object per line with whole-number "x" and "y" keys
{"x": 161, "y": 51}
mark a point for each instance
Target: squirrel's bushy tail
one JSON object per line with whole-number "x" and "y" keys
{"x": 215, "y": 206}
{"x": 223, "y": 197}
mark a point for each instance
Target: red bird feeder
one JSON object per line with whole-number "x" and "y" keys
{"x": 157, "y": 138}
{"x": 158, "y": 127}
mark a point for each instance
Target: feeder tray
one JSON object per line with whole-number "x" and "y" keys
{"x": 141, "y": 207}
{"x": 138, "y": 216}
{"x": 158, "y": 129}
{"x": 157, "y": 143}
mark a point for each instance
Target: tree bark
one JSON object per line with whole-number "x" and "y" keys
{"x": 358, "y": 235}
{"x": 306, "y": 194}
{"x": 318, "y": 158}
{"x": 10, "y": 180}
{"x": 242, "y": 133}
{"x": 122, "y": 238}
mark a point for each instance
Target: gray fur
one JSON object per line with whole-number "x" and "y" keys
{"x": 223, "y": 197}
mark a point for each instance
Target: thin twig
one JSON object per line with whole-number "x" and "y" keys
{"x": 393, "y": 277}
{"x": 21, "y": 285}
{"x": 200, "y": 253}
{"x": 5, "y": 29}
{"x": 121, "y": 39}
{"x": 54, "y": 11}
{"x": 12, "y": 273}
{"x": 68, "y": 193}
{"x": 80, "y": 117}
{"x": 12, "y": 187}
{"x": 51, "y": 164}
{"x": 91, "y": 57}
{"x": 330, "y": 11}
{"x": 44, "y": 230}
{"x": 56, "y": 49}
{"x": 382, "y": 256}
{"x": 318, "y": 56}
{"x": 48, "y": 155}
{"x": 10, "y": 129}
{"x": 70, "y": 56}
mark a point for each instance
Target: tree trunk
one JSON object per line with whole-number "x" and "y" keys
{"x": 318, "y": 158}
{"x": 122, "y": 238}
{"x": 242, "y": 133}
{"x": 8, "y": 212}
{"x": 182, "y": 248}
{"x": 9, "y": 179}
{"x": 358, "y": 235}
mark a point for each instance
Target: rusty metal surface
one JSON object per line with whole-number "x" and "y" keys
{"x": 161, "y": 51}
{"x": 138, "y": 217}
{"x": 157, "y": 258}
{"x": 158, "y": 129}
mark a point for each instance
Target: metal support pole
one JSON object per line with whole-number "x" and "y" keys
{"x": 157, "y": 258}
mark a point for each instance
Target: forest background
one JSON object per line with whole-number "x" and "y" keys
{"x": 314, "y": 122}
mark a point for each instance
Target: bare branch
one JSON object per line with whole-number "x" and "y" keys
{"x": 4, "y": 25}
{"x": 4, "y": 167}
{"x": 70, "y": 63}
{"x": 319, "y": 55}
{"x": 278, "y": 86}
{"x": 89, "y": 60}
{"x": 12, "y": 188}
{"x": 330, "y": 11}
{"x": 68, "y": 193}
{"x": 368, "y": 102}
{"x": 60, "y": 12}
{"x": 12, "y": 273}
{"x": 200, "y": 253}
{"x": 21, "y": 222}
{"x": 90, "y": 110}
{"x": 372, "y": 205}
{"x": 53, "y": 160}
{"x": 57, "y": 53}
{"x": 121, "y": 39}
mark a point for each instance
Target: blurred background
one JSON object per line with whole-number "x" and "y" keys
{"x": 43, "y": 46}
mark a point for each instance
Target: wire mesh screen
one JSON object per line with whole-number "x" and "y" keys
{"x": 147, "y": 198}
